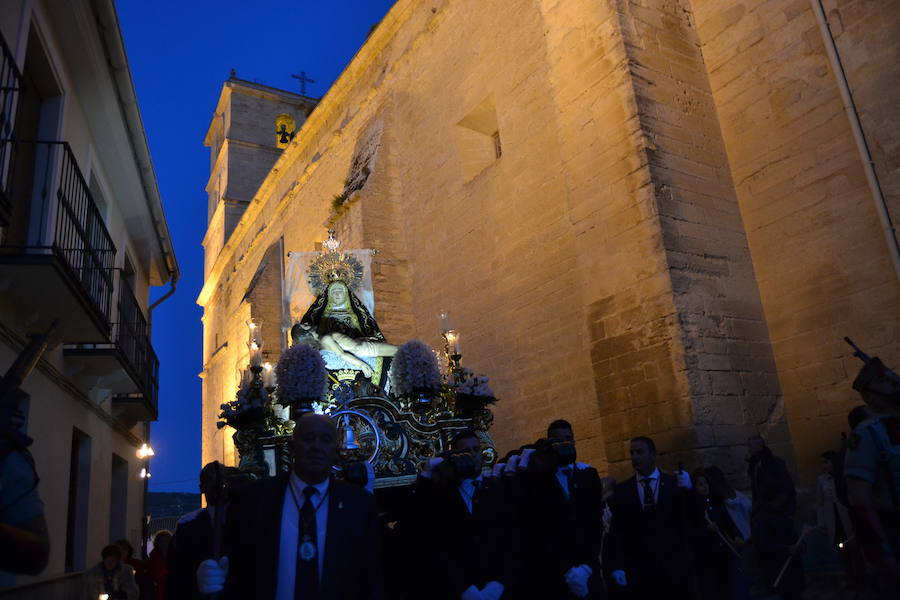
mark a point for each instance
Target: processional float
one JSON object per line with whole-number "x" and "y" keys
{"x": 395, "y": 407}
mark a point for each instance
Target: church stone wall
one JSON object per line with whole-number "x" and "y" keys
{"x": 818, "y": 252}
{"x": 608, "y": 267}
{"x": 734, "y": 388}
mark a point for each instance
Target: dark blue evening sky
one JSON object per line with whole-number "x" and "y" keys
{"x": 180, "y": 54}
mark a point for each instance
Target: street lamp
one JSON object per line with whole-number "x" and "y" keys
{"x": 145, "y": 453}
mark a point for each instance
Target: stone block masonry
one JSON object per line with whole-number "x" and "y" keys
{"x": 818, "y": 255}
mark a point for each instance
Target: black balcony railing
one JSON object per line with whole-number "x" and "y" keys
{"x": 10, "y": 94}
{"x": 64, "y": 218}
{"x": 152, "y": 392}
{"x": 131, "y": 336}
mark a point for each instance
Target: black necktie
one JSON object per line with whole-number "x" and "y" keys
{"x": 473, "y": 497}
{"x": 306, "y": 584}
{"x": 649, "y": 500}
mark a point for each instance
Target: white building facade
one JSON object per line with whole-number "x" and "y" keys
{"x": 83, "y": 238}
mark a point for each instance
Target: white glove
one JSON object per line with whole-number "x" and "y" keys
{"x": 211, "y": 575}
{"x": 472, "y": 593}
{"x": 498, "y": 470}
{"x": 526, "y": 456}
{"x": 619, "y": 577}
{"x": 492, "y": 591}
{"x": 370, "y": 478}
{"x": 431, "y": 464}
{"x": 513, "y": 463}
{"x": 577, "y": 580}
{"x": 684, "y": 480}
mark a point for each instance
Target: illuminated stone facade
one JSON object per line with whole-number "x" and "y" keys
{"x": 647, "y": 217}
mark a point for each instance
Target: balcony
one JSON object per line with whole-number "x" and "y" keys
{"x": 57, "y": 257}
{"x": 10, "y": 92}
{"x": 126, "y": 365}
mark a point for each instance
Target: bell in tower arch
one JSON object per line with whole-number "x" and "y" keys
{"x": 285, "y": 129}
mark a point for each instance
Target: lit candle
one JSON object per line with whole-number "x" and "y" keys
{"x": 445, "y": 320}
{"x": 255, "y": 329}
{"x": 268, "y": 375}
{"x": 452, "y": 341}
{"x": 255, "y": 355}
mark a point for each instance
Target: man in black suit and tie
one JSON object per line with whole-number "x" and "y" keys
{"x": 193, "y": 538}
{"x": 464, "y": 521}
{"x": 303, "y": 536}
{"x": 564, "y": 520}
{"x": 648, "y": 551}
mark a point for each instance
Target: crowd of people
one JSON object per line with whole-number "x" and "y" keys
{"x": 120, "y": 575}
{"x": 537, "y": 524}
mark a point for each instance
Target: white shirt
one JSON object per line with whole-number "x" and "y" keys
{"x": 563, "y": 476}
{"x": 739, "y": 510}
{"x": 654, "y": 485}
{"x": 467, "y": 491}
{"x": 290, "y": 529}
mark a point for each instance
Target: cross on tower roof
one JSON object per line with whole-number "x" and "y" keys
{"x": 303, "y": 79}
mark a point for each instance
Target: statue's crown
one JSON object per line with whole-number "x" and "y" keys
{"x": 332, "y": 266}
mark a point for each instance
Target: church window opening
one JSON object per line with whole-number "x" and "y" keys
{"x": 478, "y": 138}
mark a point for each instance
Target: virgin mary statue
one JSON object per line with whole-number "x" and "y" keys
{"x": 336, "y": 309}
{"x": 338, "y": 321}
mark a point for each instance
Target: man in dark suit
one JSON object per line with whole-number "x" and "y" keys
{"x": 772, "y": 519}
{"x": 193, "y": 538}
{"x": 563, "y": 527}
{"x": 648, "y": 552}
{"x": 304, "y": 535}
{"x": 464, "y": 523}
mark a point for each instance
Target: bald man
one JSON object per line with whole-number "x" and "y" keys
{"x": 302, "y": 535}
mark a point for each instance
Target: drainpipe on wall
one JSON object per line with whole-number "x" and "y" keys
{"x": 173, "y": 281}
{"x": 145, "y": 516}
{"x": 890, "y": 235}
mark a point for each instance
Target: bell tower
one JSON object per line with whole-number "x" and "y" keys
{"x": 251, "y": 126}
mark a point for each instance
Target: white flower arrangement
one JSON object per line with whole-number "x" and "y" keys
{"x": 301, "y": 374}
{"x": 415, "y": 369}
{"x": 248, "y": 407}
{"x": 472, "y": 384}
